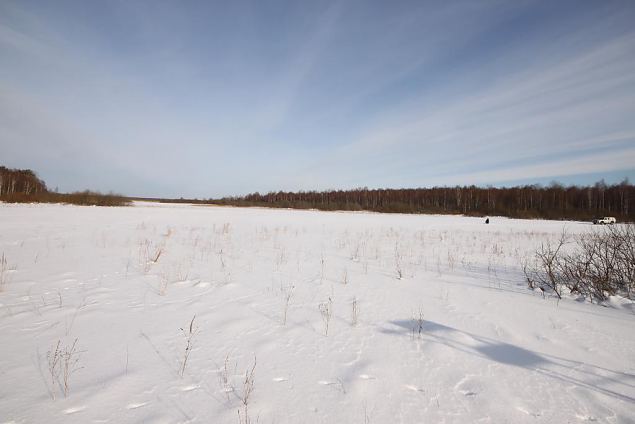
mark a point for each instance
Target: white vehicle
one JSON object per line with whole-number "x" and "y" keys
{"x": 605, "y": 220}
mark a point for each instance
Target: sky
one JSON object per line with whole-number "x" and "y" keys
{"x": 209, "y": 99}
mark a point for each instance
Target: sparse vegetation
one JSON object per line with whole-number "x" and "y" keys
{"x": 54, "y": 357}
{"x": 268, "y": 288}
{"x": 597, "y": 265}
{"x": 189, "y": 334}
{"x": 398, "y": 263}
{"x": 247, "y": 390}
{"x": 354, "y": 312}
{"x": 287, "y": 294}
{"x": 63, "y": 362}
{"x": 548, "y": 272}
{"x": 326, "y": 311}
{"x": 225, "y": 377}
{"x": 4, "y": 268}
{"x": 248, "y": 383}
{"x": 417, "y": 324}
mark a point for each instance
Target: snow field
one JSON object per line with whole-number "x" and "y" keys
{"x": 444, "y": 330}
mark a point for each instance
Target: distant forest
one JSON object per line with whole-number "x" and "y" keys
{"x": 24, "y": 186}
{"x": 20, "y": 181}
{"x": 555, "y": 201}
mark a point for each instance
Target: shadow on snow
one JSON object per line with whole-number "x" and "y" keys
{"x": 581, "y": 374}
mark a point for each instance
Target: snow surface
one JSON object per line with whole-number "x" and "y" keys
{"x": 124, "y": 281}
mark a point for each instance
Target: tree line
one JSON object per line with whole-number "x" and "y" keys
{"x": 15, "y": 181}
{"x": 555, "y": 201}
{"x": 24, "y": 186}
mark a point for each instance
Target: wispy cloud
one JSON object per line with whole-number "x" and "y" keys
{"x": 578, "y": 102}
{"x": 213, "y": 99}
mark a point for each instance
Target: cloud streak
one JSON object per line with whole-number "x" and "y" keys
{"x": 210, "y": 99}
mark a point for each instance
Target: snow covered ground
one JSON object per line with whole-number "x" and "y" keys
{"x": 430, "y": 320}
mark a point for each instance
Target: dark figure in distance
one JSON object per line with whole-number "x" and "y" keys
{"x": 487, "y": 221}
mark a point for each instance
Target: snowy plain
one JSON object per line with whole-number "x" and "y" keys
{"x": 430, "y": 320}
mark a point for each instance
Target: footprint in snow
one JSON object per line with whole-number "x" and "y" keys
{"x": 70, "y": 411}
{"x": 330, "y": 383}
{"x": 367, "y": 377}
{"x": 189, "y": 388}
{"x": 525, "y": 411}
{"x": 136, "y": 405}
{"x": 467, "y": 386}
{"x": 467, "y": 393}
{"x": 279, "y": 379}
{"x": 413, "y": 388}
{"x": 586, "y": 418}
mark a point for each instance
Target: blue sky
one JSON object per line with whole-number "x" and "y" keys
{"x": 206, "y": 99}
